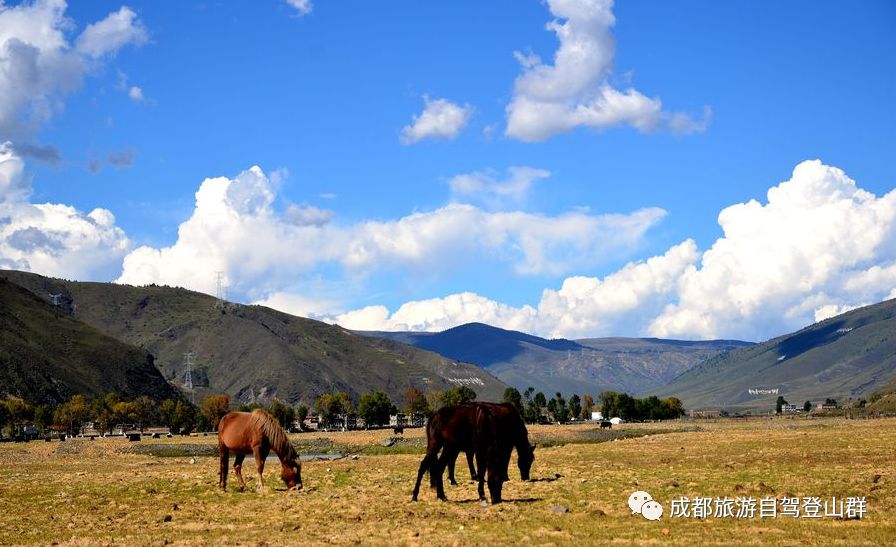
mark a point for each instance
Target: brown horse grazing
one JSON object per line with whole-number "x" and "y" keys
{"x": 507, "y": 417}
{"x": 487, "y": 430}
{"x": 256, "y": 433}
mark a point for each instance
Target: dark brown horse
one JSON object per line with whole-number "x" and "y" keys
{"x": 256, "y": 433}
{"x": 488, "y": 431}
{"x": 507, "y": 417}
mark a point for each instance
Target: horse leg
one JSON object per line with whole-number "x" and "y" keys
{"x": 425, "y": 466}
{"x": 495, "y": 485}
{"x": 225, "y": 456}
{"x": 449, "y": 463}
{"x": 470, "y": 465}
{"x": 480, "y": 477}
{"x": 238, "y": 469}
{"x": 259, "y": 456}
{"x": 436, "y": 472}
{"x": 497, "y": 471}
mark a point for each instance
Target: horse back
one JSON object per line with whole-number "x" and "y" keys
{"x": 236, "y": 432}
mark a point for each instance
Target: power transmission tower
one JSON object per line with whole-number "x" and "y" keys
{"x": 188, "y": 378}
{"x": 55, "y": 298}
{"x": 220, "y": 295}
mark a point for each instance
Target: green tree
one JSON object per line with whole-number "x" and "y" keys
{"x": 575, "y": 406}
{"x": 609, "y": 404}
{"x": 166, "y": 413}
{"x": 540, "y": 403}
{"x": 144, "y": 410}
{"x": 43, "y": 417}
{"x": 530, "y": 412}
{"x": 627, "y": 406}
{"x": 458, "y": 395}
{"x": 435, "y": 398}
{"x": 184, "y": 418}
{"x": 415, "y": 402}
{"x": 779, "y": 404}
{"x": 560, "y": 412}
{"x": 5, "y": 418}
{"x": 807, "y": 406}
{"x": 102, "y": 409}
{"x": 375, "y": 408}
{"x": 301, "y": 414}
{"x": 20, "y": 411}
{"x": 328, "y": 407}
{"x": 71, "y": 414}
{"x": 512, "y": 396}
{"x": 284, "y": 413}
{"x": 214, "y": 407}
{"x": 587, "y": 407}
{"x": 673, "y": 408}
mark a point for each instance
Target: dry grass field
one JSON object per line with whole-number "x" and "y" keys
{"x": 104, "y": 492}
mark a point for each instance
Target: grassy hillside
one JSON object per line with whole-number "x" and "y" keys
{"x": 593, "y": 365}
{"x": 848, "y": 356}
{"x": 254, "y": 353}
{"x": 47, "y": 356}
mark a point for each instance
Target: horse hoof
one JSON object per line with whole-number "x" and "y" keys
{"x": 483, "y": 503}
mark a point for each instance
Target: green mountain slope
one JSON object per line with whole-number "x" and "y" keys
{"x": 47, "y": 356}
{"x": 634, "y": 365}
{"x": 851, "y": 355}
{"x": 254, "y": 353}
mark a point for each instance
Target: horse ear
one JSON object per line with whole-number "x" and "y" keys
{"x": 533, "y": 447}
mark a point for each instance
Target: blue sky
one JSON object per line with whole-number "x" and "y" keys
{"x": 425, "y": 164}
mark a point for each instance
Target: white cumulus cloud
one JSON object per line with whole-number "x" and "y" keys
{"x": 302, "y": 7}
{"x": 111, "y": 34}
{"x": 38, "y": 65}
{"x": 820, "y": 246}
{"x": 440, "y": 119}
{"x": 487, "y": 188}
{"x": 575, "y": 90}
{"x": 235, "y": 228}
{"x": 53, "y": 239}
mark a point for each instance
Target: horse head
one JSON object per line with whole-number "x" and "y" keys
{"x": 292, "y": 474}
{"x": 525, "y": 457}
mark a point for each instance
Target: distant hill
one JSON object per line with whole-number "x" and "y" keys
{"x": 253, "y": 353}
{"x": 47, "y": 356}
{"x": 634, "y": 365}
{"x": 848, "y": 356}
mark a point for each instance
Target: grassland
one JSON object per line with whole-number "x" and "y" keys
{"x": 104, "y": 492}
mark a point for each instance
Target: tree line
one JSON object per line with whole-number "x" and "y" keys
{"x": 374, "y": 407}
{"x": 536, "y": 407}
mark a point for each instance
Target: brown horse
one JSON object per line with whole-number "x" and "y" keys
{"x": 487, "y": 430}
{"x": 256, "y": 433}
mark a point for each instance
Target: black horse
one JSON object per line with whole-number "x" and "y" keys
{"x": 507, "y": 416}
{"x": 488, "y": 431}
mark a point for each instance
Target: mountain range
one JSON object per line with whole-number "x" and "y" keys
{"x": 61, "y": 337}
{"x": 252, "y": 353}
{"x": 46, "y": 356}
{"x": 593, "y": 365}
{"x": 848, "y": 356}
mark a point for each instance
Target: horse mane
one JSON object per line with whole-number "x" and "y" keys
{"x": 275, "y": 434}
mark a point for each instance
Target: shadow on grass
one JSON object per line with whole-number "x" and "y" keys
{"x": 505, "y": 500}
{"x": 545, "y": 479}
